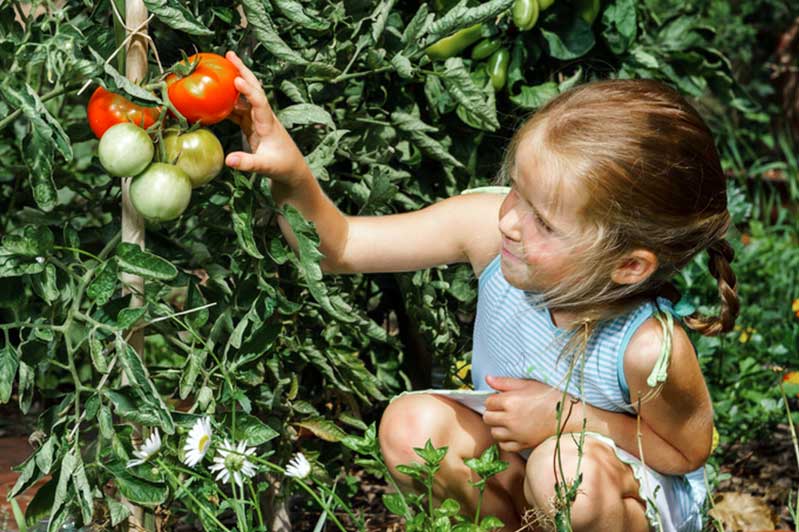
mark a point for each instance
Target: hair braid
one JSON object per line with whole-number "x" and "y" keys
{"x": 721, "y": 255}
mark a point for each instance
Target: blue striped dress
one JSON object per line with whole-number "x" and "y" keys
{"x": 514, "y": 337}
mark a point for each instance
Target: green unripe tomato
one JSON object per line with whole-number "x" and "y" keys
{"x": 485, "y": 48}
{"x": 198, "y": 153}
{"x": 161, "y": 193}
{"x": 588, "y": 10}
{"x": 497, "y": 67}
{"x": 525, "y": 14}
{"x": 125, "y": 150}
{"x": 455, "y": 43}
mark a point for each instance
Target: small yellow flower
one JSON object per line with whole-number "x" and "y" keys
{"x": 716, "y": 438}
{"x": 795, "y": 307}
{"x": 746, "y": 335}
{"x": 463, "y": 371}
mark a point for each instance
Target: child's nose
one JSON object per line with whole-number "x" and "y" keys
{"x": 509, "y": 224}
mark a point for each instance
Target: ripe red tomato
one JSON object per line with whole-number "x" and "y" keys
{"x": 108, "y": 109}
{"x": 207, "y": 94}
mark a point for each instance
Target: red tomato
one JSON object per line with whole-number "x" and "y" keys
{"x": 207, "y": 94}
{"x": 108, "y": 109}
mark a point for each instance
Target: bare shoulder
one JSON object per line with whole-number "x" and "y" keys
{"x": 482, "y": 239}
{"x": 644, "y": 349}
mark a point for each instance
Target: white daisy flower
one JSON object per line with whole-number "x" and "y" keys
{"x": 198, "y": 442}
{"x": 298, "y": 467}
{"x": 231, "y": 462}
{"x": 148, "y": 449}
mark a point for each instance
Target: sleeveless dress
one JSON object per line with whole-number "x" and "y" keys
{"x": 515, "y": 337}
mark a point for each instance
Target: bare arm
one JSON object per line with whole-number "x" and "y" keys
{"x": 457, "y": 229}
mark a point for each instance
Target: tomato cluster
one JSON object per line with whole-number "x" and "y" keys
{"x": 200, "y": 88}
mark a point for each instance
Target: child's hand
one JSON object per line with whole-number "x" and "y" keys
{"x": 274, "y": 152}
{"x": 522, "y": 415}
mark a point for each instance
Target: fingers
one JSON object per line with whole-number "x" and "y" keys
{"x": 244, "y": 162}
{"x": 249, "y": 86}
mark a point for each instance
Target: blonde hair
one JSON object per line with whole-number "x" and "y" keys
{"x": 648, "y": 166}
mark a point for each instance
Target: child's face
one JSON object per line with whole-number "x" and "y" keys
{"x": 539, "y": 235}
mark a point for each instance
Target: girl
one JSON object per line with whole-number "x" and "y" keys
{"x": 614, "y": 187}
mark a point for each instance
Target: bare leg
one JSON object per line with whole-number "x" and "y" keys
{"x": 607, "y": 498}
{"x": 410, "y": 420}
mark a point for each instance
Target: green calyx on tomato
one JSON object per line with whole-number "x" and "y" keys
{"x": 161, "y": 193}
{"x": 106, "y": 109}
{"x": 201, "y": 88}
{"x": 544, "y": 4}
{"x": 125, "y": 150}
{"x": 497, "y": 67}
{"x": 485, "y": 48}
{"x": 455, "y": 43}
{"x": 525, "y": 14}
{"x": 198, "y": 153}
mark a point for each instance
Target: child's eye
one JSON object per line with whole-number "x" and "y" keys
{"x": 542, "y": 223}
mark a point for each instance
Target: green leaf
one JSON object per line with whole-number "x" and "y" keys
{"x": 266, "y": 33}
{"x": 40, "y": 118}
{"x": 34, "y": 241}
{"x": 293, "y": 10}
{"x": 130, "y": 409}
{"x": 85, "y": 498}
{"x": 132, "y": 259}
{"x": 536, "y": 96}
{"x": 118, "y": 511}
{"x": 325, "y": 153}
{"x": 460, "y": 17}
{"x": 25, "y": 386}
{"x": 45, "y": 284}
{"x": 621, "y": 25}
{"x": 195, "y": 364}
{"x": 395, "y": 504}
{"x": 128, "y": 316}
{"x": 416, "y": 130}
{"x": 68, "y": 465}
{"x": 241, "y": 212}
{"x": 252, "y": 429}
{"x": 45, "y": 454}
{"x": 478, "y": 102}
{"x": 121, "y": 83}
{"x": 304, "y": 114}
{"x": 174, "y": 15}
{"x": 570, "y": 42}
{"x": 309, "y": 260}
{"x": 137, "y": 490}
{"x": 139, "y": 377}
{"x": 104, "y": 284}
{"x": 9, "y": 360}
{"x": 323, "y": 428}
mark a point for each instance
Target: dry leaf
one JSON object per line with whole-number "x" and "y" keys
{"x": 741, "y": 512}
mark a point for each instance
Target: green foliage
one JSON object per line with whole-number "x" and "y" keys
{"x": 235, "y": 321}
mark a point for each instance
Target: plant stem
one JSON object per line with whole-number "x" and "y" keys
{"x": 191, "y": 495}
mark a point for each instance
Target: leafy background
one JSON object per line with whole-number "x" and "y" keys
{"x": 308, "y": 358}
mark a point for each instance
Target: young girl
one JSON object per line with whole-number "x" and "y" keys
{"x": 614, "y": 187}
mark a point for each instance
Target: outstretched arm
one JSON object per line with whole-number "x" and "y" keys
{"x": 458, "y": 229}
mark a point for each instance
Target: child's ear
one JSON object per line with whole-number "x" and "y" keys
{"x": 637, "y": 266}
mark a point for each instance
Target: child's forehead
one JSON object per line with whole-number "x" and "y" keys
{"x": 549, "y": 183}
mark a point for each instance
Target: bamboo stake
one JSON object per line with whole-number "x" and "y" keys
{"x": 132, "y": 221}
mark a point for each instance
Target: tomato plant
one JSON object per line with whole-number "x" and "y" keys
{"x": 161, "y": 193}
{"x": 125, "y": 150}
{"x": 106, "y": 109}
{"x": 201, "y": 88}
{"x": 198, "y": 153}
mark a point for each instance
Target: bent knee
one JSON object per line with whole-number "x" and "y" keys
{"x": 408, "y": 422}
{"x": 603, "y": 480}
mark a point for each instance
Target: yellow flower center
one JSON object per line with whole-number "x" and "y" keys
{"x": 203, "y": 443}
